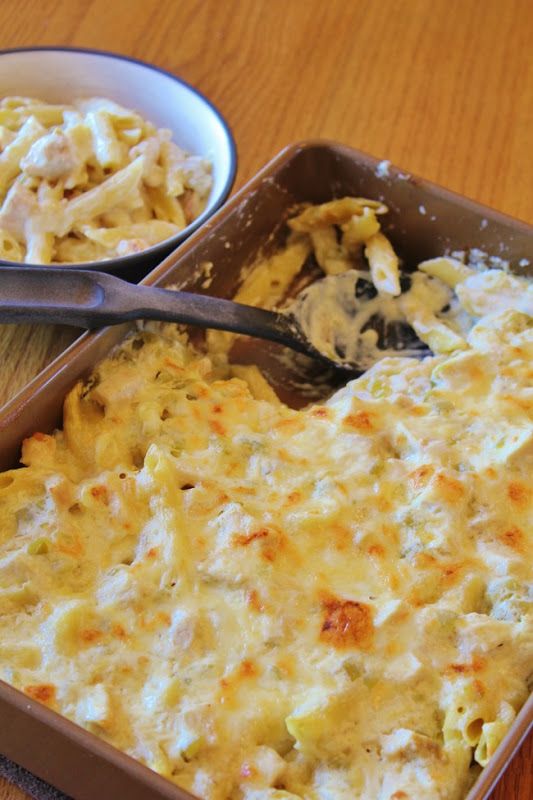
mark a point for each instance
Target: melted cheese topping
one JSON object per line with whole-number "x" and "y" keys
{"x": 265, "y": 603}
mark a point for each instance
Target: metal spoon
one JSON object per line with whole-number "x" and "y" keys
{"x": 90, "y": 299}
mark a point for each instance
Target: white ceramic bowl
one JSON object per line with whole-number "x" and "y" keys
{"x": 64, "y": 74}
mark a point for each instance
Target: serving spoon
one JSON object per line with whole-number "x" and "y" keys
{"x": 88, "y": 299}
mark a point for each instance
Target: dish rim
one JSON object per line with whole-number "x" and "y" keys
{"x": 121, "y": 262}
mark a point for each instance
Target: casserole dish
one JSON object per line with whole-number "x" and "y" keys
{"x": 425, "y": 221}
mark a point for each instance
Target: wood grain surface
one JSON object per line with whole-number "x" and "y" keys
{"x": 442, "y": 88}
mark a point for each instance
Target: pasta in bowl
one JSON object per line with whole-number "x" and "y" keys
{"x": 91, "y": 180}
{"x": 84, "y": 179}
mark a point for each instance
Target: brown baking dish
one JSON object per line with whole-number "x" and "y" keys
{"x": 424, "y": 221}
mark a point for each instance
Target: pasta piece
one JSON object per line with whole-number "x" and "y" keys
{"x": 466, "y": 716}
{"x": 383, "y": 263}
{"x": 335, "y": 212}
{"x": 359, "y": 229}
{"x": 314, "y": 723}
{"x": 436, "y": 334}
{"x": 449, "y": 270}
{"x": 122, "y": 117}
{"x": 6, "y": 137}
{"x": 131, "y": 136}
{"x": 71, "y": 250}
{"x": 268, "y": 283}
{"x": 257, "y": 383}
{"x": 151, "y": 232}
{"x": 153, "y": 174}
{"x": 172, "y": 158}
{"x": 80, "y": 138}
{"x": 117, "y": 217}
{"x": 10, "y": 249}
{"x": 331, "y": 257}
{"x": 14, "y": 152}
{"x": 19, "y": 206}
{"x": 44, "y": 113}
{"x": 166, "y": 207}
{"x": 109, "y": 152}
{"x": 197, "y": 177}
{"x": 39, "y": 248}
{"x": 16, "y": 101}
{"x": 116, "y": 190}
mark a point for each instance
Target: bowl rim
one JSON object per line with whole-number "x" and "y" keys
{"x": 174, "y": 241}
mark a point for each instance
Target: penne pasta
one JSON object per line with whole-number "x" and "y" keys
{"x": 383, "y": 263}
{"x": 91, "y": 180}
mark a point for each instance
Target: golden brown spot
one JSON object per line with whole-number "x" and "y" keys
{"x": 394, "y": 583}
{"x": 360, "y": 421}
{"x": 425, "y": 560}
{"x": 420, "y": 476}
{"x": 347, "y": 624}
{"x": 61, "y": 493}
{"x": 247, "y": 669}
{"x": 245, "y": 539}
{"x": 172, "y": 365}
{"x": 71, "y": 547}
{"x": 269, "y": 554}
{"x": 342, "y": 536}
{"x": 513, "y": 537}
{"x": 118, "y": 631}
{"x": 450, "y": 489}
{"x": 450, "y": 571}
{"x": 41, "y": 437}
{"x": 321, "y": 412}
{"x": 294, "y": 497}
{"x": 275, "y": 541}
{"x": 254, "y": 601}
{"x": 490, "y": 472}
{"x": 376, "y": 550}
{"x": 217, "y": 427}
{"x": 285, "y": 456}
{"x": 100, "y": 493}
{"x": 479, "y": 686}
{"x": 399, "y": 796}
{"x": 476, "y": 665}
{"x": 90, "y": 635}
{"x": 518, "y": 494}
{"x": 292, "y": 423}
{"x": 43, "y": 692}
{"x": 152, "y": 552}
{"x": 217, "y": 409}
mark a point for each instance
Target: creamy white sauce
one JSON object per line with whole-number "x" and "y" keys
{"x": 333, "y": 318}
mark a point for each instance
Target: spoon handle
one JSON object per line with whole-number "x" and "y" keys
{"x": 88, "y": 299}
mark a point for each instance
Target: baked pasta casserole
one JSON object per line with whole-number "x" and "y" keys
{"x": 269, "y": 604}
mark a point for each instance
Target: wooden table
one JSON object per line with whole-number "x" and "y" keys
{"x": 443, "y": 88}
